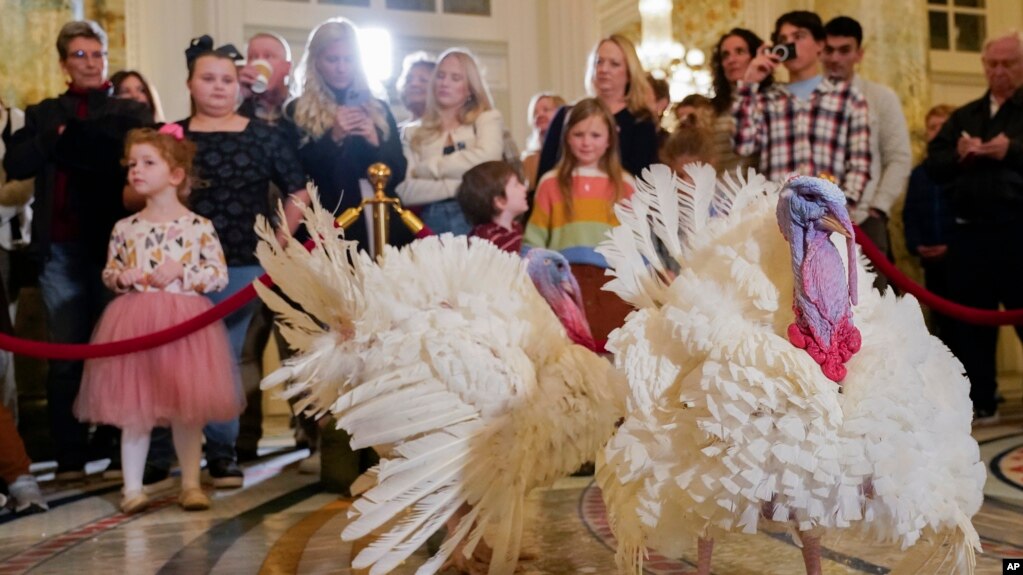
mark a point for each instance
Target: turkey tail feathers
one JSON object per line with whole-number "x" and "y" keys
{"x": 951, "y": 552}
{"x": 668, "y": 210}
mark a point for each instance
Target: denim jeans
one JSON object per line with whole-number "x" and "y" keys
{"x": 445, "y": 216}
{"x": 74, "y": 296}
{"x": 220, "y": 435}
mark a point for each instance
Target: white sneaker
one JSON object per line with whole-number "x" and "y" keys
{"x": 26, "y": 495}
{"x": 310, "y": 465}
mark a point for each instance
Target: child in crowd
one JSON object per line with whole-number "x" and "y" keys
{"x": 929, "y": 224}
{"x": 691, "y": 142}
{"x": 162, "y": 260}
{"x": 492, "y": 197}
{"x": 574, "y": 207}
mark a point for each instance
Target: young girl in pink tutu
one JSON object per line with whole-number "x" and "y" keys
{"x": 162, "y": 260}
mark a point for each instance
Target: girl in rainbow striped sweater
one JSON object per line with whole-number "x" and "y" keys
{"x": 573, "y": 207}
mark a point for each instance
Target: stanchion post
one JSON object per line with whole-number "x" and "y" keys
{"x": 379, "y": 174}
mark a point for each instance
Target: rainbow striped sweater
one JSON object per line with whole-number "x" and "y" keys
{"x": 576, "y": 237}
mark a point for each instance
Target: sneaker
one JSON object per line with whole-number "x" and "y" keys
{"x": 982, "y": 417}
{"x": 225, "y": 474}
{"x": 310, "y": 465}
{"x": 26, "y": 497}
{"x": 193, "y": 500}
{"x": 134, "y": 502}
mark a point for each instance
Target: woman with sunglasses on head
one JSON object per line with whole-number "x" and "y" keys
{"x": 72, "y": 146}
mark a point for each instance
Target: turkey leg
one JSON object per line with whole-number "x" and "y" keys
{"x": 811, "y": 553}
{"x": 704, "y": 549}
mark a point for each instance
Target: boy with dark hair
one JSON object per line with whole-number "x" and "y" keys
{"x": 804, "y": 19}
{"x": 492, "y": 197}
{"x": 810, "y": 126}
{"x": 890, "y": 154}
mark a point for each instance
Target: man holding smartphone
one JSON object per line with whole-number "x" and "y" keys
{"x": 978, "y": 158}
{"x": 813, "y": 125}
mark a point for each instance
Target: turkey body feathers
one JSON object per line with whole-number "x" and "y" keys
{"x": 728, "y": 423}
{"x": 447, "y": 355}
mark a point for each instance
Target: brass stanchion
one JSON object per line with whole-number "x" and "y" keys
{"x": 379, "y": 174}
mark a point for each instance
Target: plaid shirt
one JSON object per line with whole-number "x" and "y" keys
{"x": 830, "y": 132}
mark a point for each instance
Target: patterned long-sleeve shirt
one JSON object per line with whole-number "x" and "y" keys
{"x": 190, "y": 240}
{"x": 829, "y": 132}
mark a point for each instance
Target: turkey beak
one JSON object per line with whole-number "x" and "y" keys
{"x": 569, "y": 288}
{"x": 832, "y": 224}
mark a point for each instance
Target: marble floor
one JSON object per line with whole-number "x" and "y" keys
{"x": 283, "y": 522}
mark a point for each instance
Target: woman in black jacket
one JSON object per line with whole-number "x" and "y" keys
{"x": 615, "y": 77}
{"x": 72, "y": 145}
{"x": 341, "y": 128}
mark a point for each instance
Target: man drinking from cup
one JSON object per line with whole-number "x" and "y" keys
{"x": 264, "y": 79}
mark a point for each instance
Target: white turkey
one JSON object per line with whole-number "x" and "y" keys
{"x": 445, "y": 357}
{"x": 729, "y": 423}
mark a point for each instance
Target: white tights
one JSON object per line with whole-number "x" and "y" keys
{"x": 135, "y": 448}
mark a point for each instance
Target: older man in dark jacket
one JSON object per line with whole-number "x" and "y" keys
{"x": 72, "y": 145}
{"x": 978, "y": 158}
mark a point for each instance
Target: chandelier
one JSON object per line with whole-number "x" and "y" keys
{"x": 666, "y": 58}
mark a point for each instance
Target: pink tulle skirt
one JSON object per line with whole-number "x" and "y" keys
{"x": 191, "y": 380}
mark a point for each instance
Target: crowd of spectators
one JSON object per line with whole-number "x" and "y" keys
{"x": 264, "y": 128}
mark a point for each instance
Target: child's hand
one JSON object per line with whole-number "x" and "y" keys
{"x": 129, "y": 278}
{"x": 168, "y": 271}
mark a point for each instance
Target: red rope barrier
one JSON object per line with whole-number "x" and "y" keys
{"x": 243, "y": 296}
{"x": 74, "y": 351}
{"x": 77, "y": 351}
{"x": 937, "y": 303}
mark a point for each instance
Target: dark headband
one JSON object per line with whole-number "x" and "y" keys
{"x": 204, "y": 45}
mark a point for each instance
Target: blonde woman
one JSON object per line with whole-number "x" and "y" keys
{"x": 542, "y": 108}
{"x": 342, "y": 129}
{"x": 459, "y": 130}
{"x": 615, "y": 77}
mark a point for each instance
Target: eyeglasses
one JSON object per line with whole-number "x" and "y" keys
{"x": 83, "y": 55}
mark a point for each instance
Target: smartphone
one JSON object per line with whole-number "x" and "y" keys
{"x": 356, "y": 98}
{"x": 784, "y": 52}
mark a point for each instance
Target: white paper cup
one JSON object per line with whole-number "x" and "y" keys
{"x": 264, "y": 70}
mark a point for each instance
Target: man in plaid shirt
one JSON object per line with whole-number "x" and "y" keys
{"x": 810, "y": 126}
